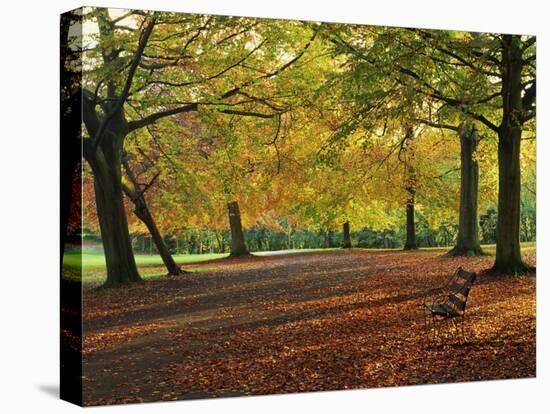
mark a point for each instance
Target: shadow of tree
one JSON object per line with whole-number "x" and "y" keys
{"x": 49, "y": 389}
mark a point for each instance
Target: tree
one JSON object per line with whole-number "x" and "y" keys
{"x": 482, "y": 76}
{"x": 238, "y": 246}
{"x": 490, "y": 57}
{"x": 468, "y": 229}
{"x": 410, "y": 187}
{"x": 229, "y": 116}
{"x": 518, "y": 97}
{"x": 141, "y": 210}
{"x": 347, "y": 236}
{"x": 103, "y": 151}
{"x": 139, "y": 80}
{"x": 467, "y": 239}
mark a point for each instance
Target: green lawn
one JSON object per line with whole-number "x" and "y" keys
{"x": 96, "y": 260}
{"x": 151, "y": 266}
{"x": 526, "y": 247}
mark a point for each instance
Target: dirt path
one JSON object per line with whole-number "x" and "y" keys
{"x": 300, "y": 322}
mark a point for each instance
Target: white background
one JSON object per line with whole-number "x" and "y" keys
{"x": 29, "y": 192}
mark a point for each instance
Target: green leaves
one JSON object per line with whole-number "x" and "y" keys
{"x": 295, "y": 119}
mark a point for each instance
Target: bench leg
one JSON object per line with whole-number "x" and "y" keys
{"x": 427, "y": 326}
{"x": 451, "y": 323}
{"x": 455, "y": 323}
{"x": 425, "y": 321}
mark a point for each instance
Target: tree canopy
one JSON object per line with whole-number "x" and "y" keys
{"x": 306, "y": 126}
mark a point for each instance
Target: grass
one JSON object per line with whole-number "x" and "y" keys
{"x": 92, "y": 262}
{"x": 490, "y": 249}
{"x": 96, "y": 260}
{"x": 526, "y": 247}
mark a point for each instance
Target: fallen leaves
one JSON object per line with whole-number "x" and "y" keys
{"x": 308, "y": 322}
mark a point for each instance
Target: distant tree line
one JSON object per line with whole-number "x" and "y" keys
{"x": 199, "y": 241}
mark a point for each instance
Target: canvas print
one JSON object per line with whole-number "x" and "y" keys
{"x": 256, "y": 206}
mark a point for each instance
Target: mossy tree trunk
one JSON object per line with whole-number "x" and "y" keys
{"x": 508, "y": 255}
{"x": 238, "y": 246}
{"x": 105, "y": 158}
{"x": 347, "y": 236}
{"x": 119, "y": 257}
{"x": 406, "y": 156}
{"x": 468, "y": 229}
{"x": 410, "y": 242}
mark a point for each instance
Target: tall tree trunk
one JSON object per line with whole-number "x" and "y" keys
{"x": 410, "y": 188}
{"x": 410, "y": 243}
{"x": 219, "y": 241}
{"x": 290, "y": 234}
{"x": 347, "y": 236}
{"x": 119, "y": 257}
{"x": 259, "y": 241}
{"x": 289, "y": 239}
{"x": 468, "y": 231}
{"x": 105, "y": 158}
{"x": 328, "y": 238}
{"x": 508, "y": 256}
{"x": 238, "y": 246}
{"x": 141, "y": 210}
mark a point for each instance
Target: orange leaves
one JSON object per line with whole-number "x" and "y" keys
{"x": 116, "y": 337}
{"x": 302, "y": 322}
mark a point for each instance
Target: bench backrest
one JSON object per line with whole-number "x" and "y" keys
{"x": 460, "y": 289}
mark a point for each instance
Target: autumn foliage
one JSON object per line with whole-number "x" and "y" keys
{"x": 307, "y": 322}
{"x": 211, "y": 134}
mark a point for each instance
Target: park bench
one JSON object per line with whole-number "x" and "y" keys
{"x": 449, "y": 302}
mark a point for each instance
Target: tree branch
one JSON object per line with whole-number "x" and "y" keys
{"x": 438, "y": 125}
{"x": 133, "y": 125}
{"x": 528, "y": 43}
{"x": 528, "y": 99}
{"x": 98, "y": 137}
{"x": 247, "y": 113}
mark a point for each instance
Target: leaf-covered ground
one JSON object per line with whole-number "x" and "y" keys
{"x": 302, "y": 322}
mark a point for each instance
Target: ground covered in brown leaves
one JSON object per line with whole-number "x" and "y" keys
{"x": 301, "y": 322}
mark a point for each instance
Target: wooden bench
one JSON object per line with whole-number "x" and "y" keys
{"x": 449, "y": 302}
